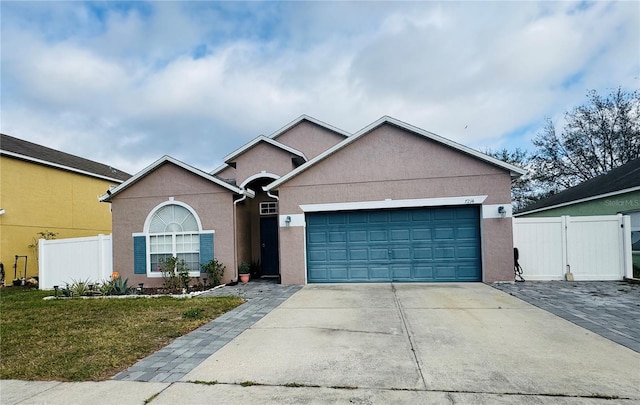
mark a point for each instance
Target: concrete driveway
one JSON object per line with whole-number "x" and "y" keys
{"x": 385, "y": 343}
{"x": 443, "y": 339}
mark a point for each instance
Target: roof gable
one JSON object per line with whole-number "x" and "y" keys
{"x": 623, "y": 179}
{"x": 313, "y": 121}
{"x": 31, "y": 152}
{"x": 513, "y": 170}
{"x": 255, "y": 141}
{"x": 144, "y": 172}
{"x": 271, "y": 139}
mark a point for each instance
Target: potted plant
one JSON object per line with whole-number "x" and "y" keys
{"x": 243, "y": 271}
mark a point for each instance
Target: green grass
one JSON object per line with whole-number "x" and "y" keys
{"x": 91, "y": 339}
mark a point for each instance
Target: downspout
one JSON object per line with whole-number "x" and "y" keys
{"x": 272, "y": 196}
{"x": 245, "y": 193}
{"x": 235, "y": 238}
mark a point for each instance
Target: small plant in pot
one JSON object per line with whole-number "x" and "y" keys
{"x": 243, "y": 271}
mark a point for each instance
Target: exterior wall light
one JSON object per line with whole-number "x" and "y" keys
{"x": 287, "y": 220}
{"x": 502, "y": 211}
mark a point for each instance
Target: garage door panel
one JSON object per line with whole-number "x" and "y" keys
{"x": 401, "y": 272}
{"x": 338, "y": 255}
{"x": 378, "y": 236}
{"x": 423, "y": 272}
{"x": 466, "y": 232}
{"x": 338, "y": 273}
{"x": 444, "y": 253}
{"x": 317, "y": 237}
{"x": 400, "y": 253}
{"x": 359, "y": 273}
{"x": 445, "y": 272}
{"x": 399, "y": 235}
{"x": 418, "y": 244}
{"x": 444, "y": 234}
{"x": 378, "y": 217}
{"x": 466, "y": 273}
{"x": 317, "y": 256}
{"x": 466, "y": 252}
{"x": 421, "y": 234}
{"x": 379, "y": 273}
{"x": 379, "y": 254}
{"x": 444, "y": 214}
{"x": 359, "y": 254}
{"x": 399, "y": 216}
{"x": 423, "y": 253}
{"x": 357, "y": 236}
{"x": 338, "y": 237}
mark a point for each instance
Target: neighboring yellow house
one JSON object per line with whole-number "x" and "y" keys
{"x": 42, "y": 189}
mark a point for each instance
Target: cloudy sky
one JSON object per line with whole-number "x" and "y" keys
{"x": 124, "y": 83}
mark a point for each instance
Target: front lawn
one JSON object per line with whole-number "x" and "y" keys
{"x": 91, "y": 339}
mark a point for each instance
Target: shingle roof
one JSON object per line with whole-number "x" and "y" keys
{"x": 625, "y": 177}
{"x": 21, "y": 149}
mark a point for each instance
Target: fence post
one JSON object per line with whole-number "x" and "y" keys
{"x": 565, "y": 222}
{"x": 42, "y": 258}
{"x": 627, "y": 255}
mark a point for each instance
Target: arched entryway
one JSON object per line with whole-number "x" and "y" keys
{"x": 258, "y": 229}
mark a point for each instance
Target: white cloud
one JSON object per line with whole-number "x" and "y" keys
{"x": 121, "y": 84}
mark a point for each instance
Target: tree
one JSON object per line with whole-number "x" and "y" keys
{"x": 523, "y": 191}
{"x": 598, "y": 136}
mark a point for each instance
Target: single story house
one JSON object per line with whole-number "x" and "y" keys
{"x": 314, "y": 204}
{"x": 615, "y": 192}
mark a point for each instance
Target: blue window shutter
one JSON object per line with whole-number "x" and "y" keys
{"x": 140, "y": 254}
{"x": 206, "y": 248}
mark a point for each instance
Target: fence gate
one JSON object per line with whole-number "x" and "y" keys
{"x": 591, "y": 248}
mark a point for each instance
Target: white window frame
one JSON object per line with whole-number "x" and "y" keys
{"x": 269, "y": 208}
{"x": 154, "y": 273}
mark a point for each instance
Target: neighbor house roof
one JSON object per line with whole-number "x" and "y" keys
{"x": 623, "y": 179}
{"x": 144, "y": 172}
{"x": 31, "y": 152}
{"x": 513, "y": 170}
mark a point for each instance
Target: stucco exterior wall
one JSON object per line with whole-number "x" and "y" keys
{"x": 263, "y": 157}
{"x": 39, "y": 198}
{"x": 390, "y": 163}
{"x": 212, "y": 203}
{"x": 603, "y": 206}
{"x": 309, "y": 138}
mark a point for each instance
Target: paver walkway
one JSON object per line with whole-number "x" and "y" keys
{"x": 174, "y": 361}
{"x": 609, "y": 308}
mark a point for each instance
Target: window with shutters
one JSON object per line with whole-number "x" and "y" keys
{"x": 172, "y": 229}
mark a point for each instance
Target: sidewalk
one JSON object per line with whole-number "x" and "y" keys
{"x": 174, "y": 361}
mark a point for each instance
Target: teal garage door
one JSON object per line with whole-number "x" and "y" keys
{"x": 416, "y": 244}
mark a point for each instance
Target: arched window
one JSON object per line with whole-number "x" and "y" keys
{"x": 174, "y": 231}
{"x": 172, "y": 228}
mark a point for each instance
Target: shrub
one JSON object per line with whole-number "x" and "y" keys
{"x": 175, "y": 273}
{"x": 215, "y": 271}
{"x": 77, "y": 288}
{"x": 119, "y": 286}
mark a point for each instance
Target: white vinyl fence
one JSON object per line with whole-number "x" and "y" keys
{"x": 591, "y": 248}
{"x": 62, "y": 260}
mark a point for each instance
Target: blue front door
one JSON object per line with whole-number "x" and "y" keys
{"x": 269, "y": 255}
{"x": 416, "y": 244}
